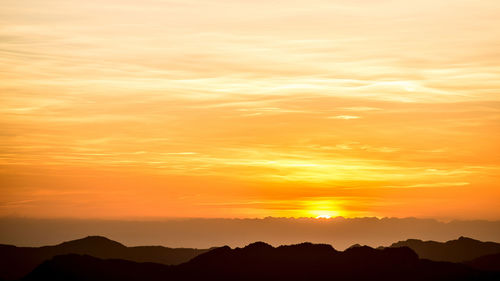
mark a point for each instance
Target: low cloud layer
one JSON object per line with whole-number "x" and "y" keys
{"x": 205, "y": 233}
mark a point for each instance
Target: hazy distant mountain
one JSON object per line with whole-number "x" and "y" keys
{"x": 260, "y": 261}
{"x": 15, "y": 262}
{"x": 460, "y": 250}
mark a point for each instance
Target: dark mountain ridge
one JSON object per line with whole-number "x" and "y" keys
{"x": 487, "y": 262}
{"x": 460, "y": 250}
{"x": 260, "y": 261}
{"x": 16, "y": 262}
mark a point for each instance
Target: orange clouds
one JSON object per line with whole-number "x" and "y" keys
{"x": 182, "y": 108}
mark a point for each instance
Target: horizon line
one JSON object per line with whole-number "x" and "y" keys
{"x": 319, "y": 219}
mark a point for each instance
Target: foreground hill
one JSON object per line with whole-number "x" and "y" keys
{"x": 16, "y": 262}
{"x": 461, "y": 250}
{"x": 260, "y": 261}
{"x": 488, "y": 262}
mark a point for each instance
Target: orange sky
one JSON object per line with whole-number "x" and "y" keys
{"x": 150, "y": 108}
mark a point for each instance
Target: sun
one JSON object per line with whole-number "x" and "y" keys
{"x": 323, "y": 209}
{"x": 324, "y": 217}
{"x": 324, "y": 214}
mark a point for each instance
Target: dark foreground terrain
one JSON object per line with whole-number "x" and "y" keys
{"x": 260, "y": 261}
{"x": 16, "y": 262}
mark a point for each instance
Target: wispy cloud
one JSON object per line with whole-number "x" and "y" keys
{"x": 344, "y": 117}
{"x": 360, "y": 108}
{"x": 175, "y": 98}
{"x": 430, "y": 185}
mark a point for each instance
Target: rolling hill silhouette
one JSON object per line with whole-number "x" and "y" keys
{"x": 260, "y": 261}
{"x": 16, "y": 262}
{"x": 85, "y": 267}
{"x": 461, "y": 250}
{"x": 488, "y": 262}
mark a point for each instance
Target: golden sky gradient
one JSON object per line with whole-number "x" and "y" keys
{"x": 150, "y": 108}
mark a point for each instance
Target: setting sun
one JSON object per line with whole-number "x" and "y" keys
{"x": 324, "y": 217}
{"x": 323, "y": 209}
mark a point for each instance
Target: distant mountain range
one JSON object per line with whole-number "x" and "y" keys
{"x": 98, "y": 258}
{"x": 16, "y": 262}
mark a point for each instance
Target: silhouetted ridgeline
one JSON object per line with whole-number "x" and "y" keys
{"x": 460, "y": 250}
{"x": 16, "y": 262}
{"x": 257, "y": 258}
{"x": 260, "y": 261}
{"x": 487, "y": 262}
{"x": 206, "y": 233}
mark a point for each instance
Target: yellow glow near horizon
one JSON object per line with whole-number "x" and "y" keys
{"x": 323, "y": 209}
{"x": 324, "y": 217}
{"x": 249, "y": 108}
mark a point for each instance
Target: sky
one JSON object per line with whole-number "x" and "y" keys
{"x": 161, "y": 109}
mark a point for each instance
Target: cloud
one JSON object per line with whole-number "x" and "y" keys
{"x": 430, "y": 185}
{"x": 360, "y": 108}
{"x": 344, "y": 117}
{"x": 91, "y": 87}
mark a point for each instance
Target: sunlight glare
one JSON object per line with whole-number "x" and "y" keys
{"x": 323, "y": 217}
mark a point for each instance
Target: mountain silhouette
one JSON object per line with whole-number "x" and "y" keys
{"x": 460, "y": 250}
{"x": 260, "y": 261}
{"x": 16, "y": 262}
{"x": 85, "y": 267}
{"x": 487, "y": 262}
